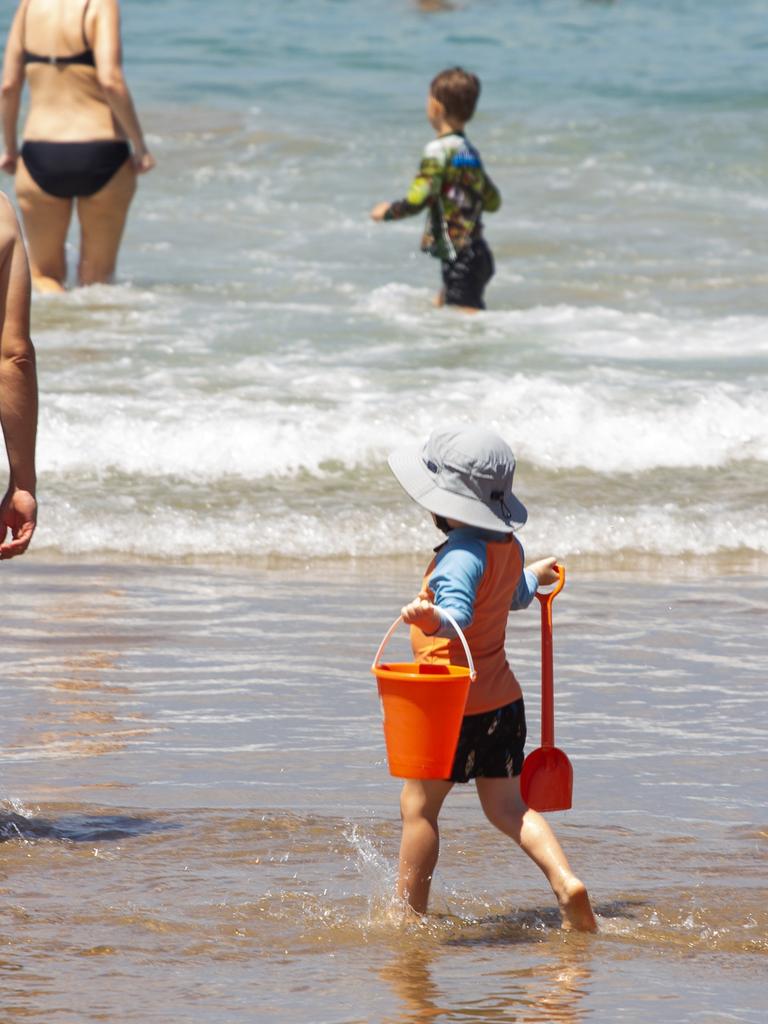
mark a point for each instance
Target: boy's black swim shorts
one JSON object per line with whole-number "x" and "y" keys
{"x": 491, "y": 744}
{"x": 465, "y": 278}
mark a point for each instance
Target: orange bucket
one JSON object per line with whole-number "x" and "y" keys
{"x": 422, "y": 707}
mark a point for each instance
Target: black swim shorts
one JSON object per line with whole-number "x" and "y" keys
{"x": 464, "y": 279}
{"x": 491, "y": 745}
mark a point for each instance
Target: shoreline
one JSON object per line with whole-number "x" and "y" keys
{"x": 204, "y": 747}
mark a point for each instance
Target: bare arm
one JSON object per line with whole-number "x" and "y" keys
{"x": 18, "y": 388}
{"x": 107, "y": 53}
{"x": 13, "y": 83}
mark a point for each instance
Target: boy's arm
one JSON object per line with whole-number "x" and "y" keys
{"x": 526, "y": 590}
{"x": 426, "y": 185}
{"x": 490, "y": 196}
{"x": 537, "y": 574}
{"x": 452, "y": 585}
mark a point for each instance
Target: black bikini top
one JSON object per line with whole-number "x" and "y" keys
{"x": 85, "y": 57}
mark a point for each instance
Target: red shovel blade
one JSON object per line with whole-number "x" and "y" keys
{"x": 546, "y": 783}
{"x": 547, "y": 780}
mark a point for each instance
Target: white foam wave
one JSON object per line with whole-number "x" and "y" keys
{"x": 167, "y": 532}
{"x": 609, "y": 429}
{"x": 397, "y": 301}
{"x": 598, "y": 331}
{"x": 604, "y": 425}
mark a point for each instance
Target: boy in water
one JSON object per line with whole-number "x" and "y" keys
{"x": 454, "y": 187}
{"x": 463, "y": 476}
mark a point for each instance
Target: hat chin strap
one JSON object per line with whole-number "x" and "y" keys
{"x": 499, "y": 496}
{"x": 442, "y": 523}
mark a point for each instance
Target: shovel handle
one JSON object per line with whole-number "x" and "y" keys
{"x": 547, "y": 660}
{"x": 549, "y": 596}
{"x": 459, "y": 633}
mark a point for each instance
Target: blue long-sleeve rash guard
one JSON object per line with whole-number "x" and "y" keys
{"x": 459, "y": 567}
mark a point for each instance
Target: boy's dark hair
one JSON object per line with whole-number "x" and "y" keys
{"x": 458, "y": 91}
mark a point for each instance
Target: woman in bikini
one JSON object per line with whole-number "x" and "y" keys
{"x": 82, "y": 138}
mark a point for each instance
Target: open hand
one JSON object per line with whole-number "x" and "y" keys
{"x": 379, "y": 211}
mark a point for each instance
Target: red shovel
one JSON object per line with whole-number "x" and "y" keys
{"x": 547, "y": 780}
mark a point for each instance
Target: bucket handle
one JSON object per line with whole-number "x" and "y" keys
{"x": 453, "y": 622}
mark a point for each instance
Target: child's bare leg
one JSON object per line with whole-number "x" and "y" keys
{"x": 504, "y": 807}
{"x": 420, "y": 803}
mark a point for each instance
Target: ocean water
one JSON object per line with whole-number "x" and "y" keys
{"x": 236, "y": 392}
{"x": 197, "y": 823}
{"x": 196, "y": 819}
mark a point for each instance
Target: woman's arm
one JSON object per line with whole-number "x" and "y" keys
{"x": 18, "y": 388}
{"x": 13, "y": 83}
{"x": 108, "y": 57}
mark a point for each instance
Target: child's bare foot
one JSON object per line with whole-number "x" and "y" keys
{"x": 576, "y": 908}
{"x": 399, "y": 914}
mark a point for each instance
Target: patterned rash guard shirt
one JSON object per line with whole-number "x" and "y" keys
{"x": 453, "y": 186}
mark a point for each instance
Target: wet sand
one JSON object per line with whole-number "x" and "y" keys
{"x": 197, "y": 822}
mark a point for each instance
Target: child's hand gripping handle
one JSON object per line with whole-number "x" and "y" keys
{"x": 459, "y": 634}
{"x": 547, "y": 668}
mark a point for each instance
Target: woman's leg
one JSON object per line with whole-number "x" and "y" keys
{"x": 504, "y": 807}
{"x": 420, "y": 803}
{"x": 46, "y": 223}
{"x": 102, "y": 219}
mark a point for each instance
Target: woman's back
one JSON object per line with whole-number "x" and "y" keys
{"x": 83, "y": 143}
{"x": 67, "y": 103}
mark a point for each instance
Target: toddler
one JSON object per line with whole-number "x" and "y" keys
{"x": 463, "y": 477}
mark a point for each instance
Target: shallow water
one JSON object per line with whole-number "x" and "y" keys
{"x": 197, "y": 809}
{"x": 196, "y": 820}
{"x": 237, "y": 392}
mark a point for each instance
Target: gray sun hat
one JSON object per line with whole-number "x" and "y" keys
{"x": 463, "y": 473}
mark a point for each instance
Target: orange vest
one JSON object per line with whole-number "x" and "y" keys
{"x": 496, "y": 684}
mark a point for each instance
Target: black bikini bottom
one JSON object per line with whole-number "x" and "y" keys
{"x": 69, "y": 169}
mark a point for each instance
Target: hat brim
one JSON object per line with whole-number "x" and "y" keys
{"x": 408, "y": 466}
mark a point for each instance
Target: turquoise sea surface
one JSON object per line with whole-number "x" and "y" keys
{"x": 197, "y": 823}
{"x": 266, "y": 344}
